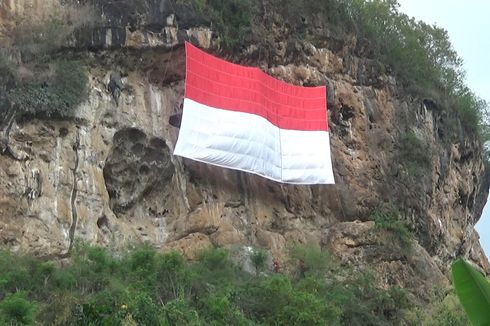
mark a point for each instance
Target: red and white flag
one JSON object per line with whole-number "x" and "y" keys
{"x": 241, "y": 118}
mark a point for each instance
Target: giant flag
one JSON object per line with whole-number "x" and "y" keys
{"x": 241, "y": 118}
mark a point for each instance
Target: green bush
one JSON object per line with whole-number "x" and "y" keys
{"x": 180, "y": 312}
{"x": 231, "y": 18}
{"x": 172, "y": 277}
{"x": 414, "y": 154}
{"x": 15, "y": 308}
{"x": 55, "y": 97}
{"x": 309, "y": 261}
{"x": 389, "y": 218}
{"x": 363, "y": 303}
{"x": 142, "y": 260}
{"x": 144, "y": 311}
{"x": 276, "y": 301}
{"x": 57, "y": 309}
{"x": 472, "y": 112}
{"x": 444, "y": 311}
{"x": 448, "y": 312}
{"x": 259, "y": 259}
{"x": 214, "y": 266}
{"x": 145, "y": 287}
{"x": 35, "y": 38}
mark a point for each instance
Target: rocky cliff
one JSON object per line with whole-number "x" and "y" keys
{"x": 108, "y": 177}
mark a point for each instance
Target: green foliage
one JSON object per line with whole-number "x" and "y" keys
{"x": 473, "y": 114}
{"x": 421, "y": 56}
{"x": 414, "y": 154}
{"x": 172, "y": 277}
{"x": 365, "y": 304}
{"x": 144, "y": 287}
{"x": 55, "y": 97}
{"x": 311, "y": 261}
{"x": 277, "y": 300}
{"x": 214, "y": 266}
{"x": 448, "y": 312}
{"x": 259, "y": 259}
{"x": 144, "y": 310}
{"x": 180, "y": 312}
{"x": 231, "y": 18}
{"x": 15, "y": 308}
{"x": 473, "y": 291}
{"x": 142, "y": 261}
{"x": 214, "y": 258}
{"x": 388, "y": 218}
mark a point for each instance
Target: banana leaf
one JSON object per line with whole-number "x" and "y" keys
{"x": 473, "y": 291}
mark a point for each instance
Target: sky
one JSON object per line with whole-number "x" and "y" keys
{"x": 467, "y": 24}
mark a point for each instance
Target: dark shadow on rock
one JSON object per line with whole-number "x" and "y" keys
{"x": 136, "y": 166}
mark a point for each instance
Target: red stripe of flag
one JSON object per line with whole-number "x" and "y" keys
{"x": 220, "y": 84}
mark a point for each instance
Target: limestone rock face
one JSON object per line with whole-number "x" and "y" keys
{"x": 109, "y": 176}
{"x": 134, "y": 167}
{"x": 357, "y": 243}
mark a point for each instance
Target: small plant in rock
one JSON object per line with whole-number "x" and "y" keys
{"x": 259, "y": 259}
{"x": 231, "y": 18}
{"x": 389, "y": 218}
{"x": 414, "y": 154}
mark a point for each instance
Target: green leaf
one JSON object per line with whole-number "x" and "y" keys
{"x": 473, "y": 291}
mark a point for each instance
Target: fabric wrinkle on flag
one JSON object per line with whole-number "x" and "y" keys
{"x": 241, "y": 118}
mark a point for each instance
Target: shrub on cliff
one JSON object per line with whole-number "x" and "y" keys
{"x": 259, "y": 259}
{"x": 388, "y": 218}
{"x": 414, "y": 154}
{"x": 55, "y": 94}
{"x": 231, "y": 18}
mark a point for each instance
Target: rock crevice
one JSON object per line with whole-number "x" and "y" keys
{"x": 73, "y": 196}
